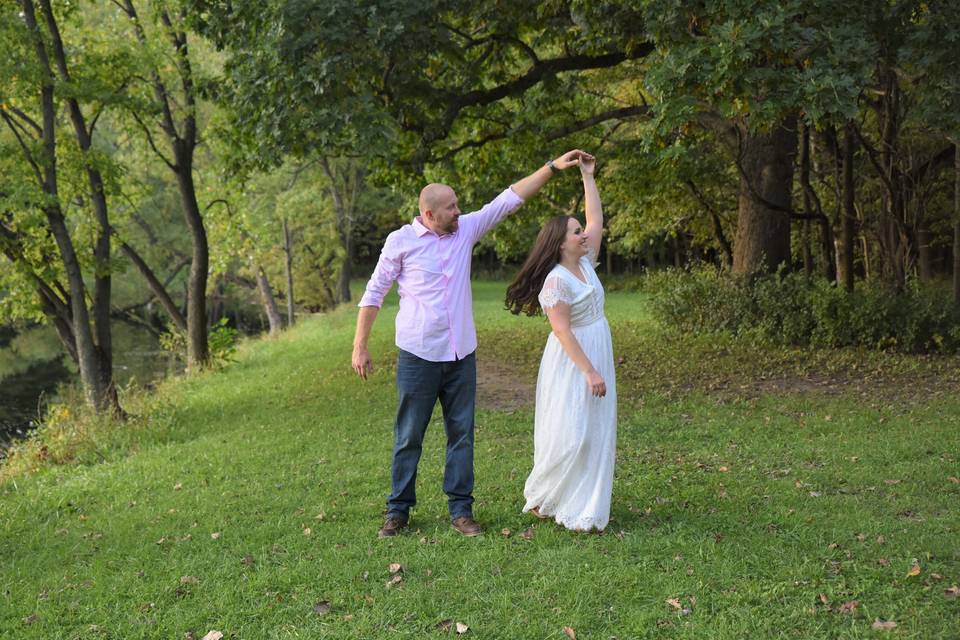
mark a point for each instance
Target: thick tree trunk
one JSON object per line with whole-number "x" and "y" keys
{"x": 288, "y": 267}
{"x": 269, "y": 303}
{"x": 763, "y": 224}
{"x": 848, "y": 214}
{"x": 198, "y": 353}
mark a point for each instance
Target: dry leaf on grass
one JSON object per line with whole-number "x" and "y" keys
{"x": 213, "y": 635}
{"x": 505, "y": 532}
{"x": 444, "y": 625}
{"x": 189, "y": 580}
{"x": 881, "y": 625}
{"x": 822, "y": 598}
{"x": 307, "y": 531}
{"x": 954, "y": 480}
{"x": 178, "y": 486}
{"x": 883, "y": 562}
{"x": 462, "y": 628}
{"x": 914, "y": 571}
{"x": 395, "y": 580}
{"x": 215, "y": 535}
{"x": 849, "y": 607}
{"x": 528, "y": 534}
{"x": 570, "y": 633}
{"x": 322, "y": 608}
{"x": 674, "y": 602}
{"x": 952, "y": 592}
{"x": 395, "y": 567}
{"x": 891, "y": 482}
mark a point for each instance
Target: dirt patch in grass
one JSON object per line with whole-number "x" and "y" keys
{"x": 502, "y": 386}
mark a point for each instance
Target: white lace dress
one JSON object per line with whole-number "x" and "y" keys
{"x": 575, "y": 433}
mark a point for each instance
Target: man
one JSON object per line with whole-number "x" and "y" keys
{"x": 430, "y": 260}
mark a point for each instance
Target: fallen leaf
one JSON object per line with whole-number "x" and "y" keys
{"x": 881, "y": 540}
{"x": 31, "y": 619}
{"x": 891, "y": 482}
{"x": 822, "y": 597}
{"x": 723, "y": 469}
{"x": 570, "y": 633}
{"x": 307, "y": 531}
{"x": 528, "y": 534}
{"x": 444, "y": 625}
{"x": 936, "y": 576}
{"x": 322, "y": 608}
{"x": 429, "y": 572}
{"x": 188, "y": 635}
{"x": 189, "y": 580}
{"x": 248, "y": 561}
{"x": 213, "y": 635}
{"x": 395, "y": 567}
{"x": 674, "y": 602}
{"x": 178, "y": 486}
{"x": 505, "y": 532}
{"x": 954, "y": 480}
{"x": 884, "y": 562}
{"x": 879, "y": 625}
{"x": 848, "y": 607}
{"x": 952, "y": 592}
{"x": 914, "y": 571}
{"x": 815, "y": 494}
{"x": 215, "y": 535}
{"x": 860, "y": 537}
{"x": 462, "y": 628}
{"x": 395, "y": 580}
{"x": 348, "y": 617}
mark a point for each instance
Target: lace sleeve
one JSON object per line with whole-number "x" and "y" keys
{"x": 555, "y": 291}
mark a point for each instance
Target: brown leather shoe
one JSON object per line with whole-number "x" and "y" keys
{"x": 391, "y": 527}
{"x": 467, "y": 526}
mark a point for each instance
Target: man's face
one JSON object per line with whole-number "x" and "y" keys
{"x": 445, "y": 212}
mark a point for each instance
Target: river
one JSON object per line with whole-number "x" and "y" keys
{"x": 33, "y": 365}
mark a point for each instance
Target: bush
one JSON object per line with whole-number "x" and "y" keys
{"x": 790, "y": 308}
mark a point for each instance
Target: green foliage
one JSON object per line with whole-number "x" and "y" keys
{"x": 791, "y": 309}
{"x": 222, "y": 343}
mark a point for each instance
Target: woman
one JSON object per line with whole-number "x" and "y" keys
{"x": 576, "y": 410}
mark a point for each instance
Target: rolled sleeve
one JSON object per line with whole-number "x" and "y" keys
{"x": 480, "y": 222}
{"x": 388, "y": 268}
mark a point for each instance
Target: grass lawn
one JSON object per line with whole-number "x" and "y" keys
{"x": 759, "y": 493}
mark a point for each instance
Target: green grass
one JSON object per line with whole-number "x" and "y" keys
{"x": 749, "y": 483}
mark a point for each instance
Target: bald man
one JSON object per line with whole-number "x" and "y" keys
{"x": 430, "y": 261}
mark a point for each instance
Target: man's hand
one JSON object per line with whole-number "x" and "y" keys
{"x": 361, "y": 362}
{"x": 571, "y": 158}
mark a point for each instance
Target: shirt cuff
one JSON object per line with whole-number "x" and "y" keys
{"x": 370, "y": 300}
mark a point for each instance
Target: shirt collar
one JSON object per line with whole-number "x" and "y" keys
{"x": 421, "y": 229}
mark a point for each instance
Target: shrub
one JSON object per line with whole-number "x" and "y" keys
{"x": 790, "y": 308}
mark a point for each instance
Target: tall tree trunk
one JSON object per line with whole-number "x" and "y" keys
{"x": 269, "y": 302}
{"x": 198, "y": 353}
{"x": 848, "y": 214}
{"x": 763, "y": 224}
{"x": 87, "y": 358}
{"x": 956, "y": 225}
{"x": 288, "y": 267}
{"x": 98, "y": 198}
{"x": 343, "y": 286}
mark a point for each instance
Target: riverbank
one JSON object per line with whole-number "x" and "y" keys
{"x": 758, "y": 493}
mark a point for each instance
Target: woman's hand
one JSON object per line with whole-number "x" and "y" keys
{"x": 587, "y": 164}
{"x": 597, "y": 386}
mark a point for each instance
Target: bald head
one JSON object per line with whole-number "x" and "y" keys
{"x": 434, "y": 196}
{"x": 438, "y": 208}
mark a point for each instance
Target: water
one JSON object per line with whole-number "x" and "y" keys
{"x": 33, "y": 365}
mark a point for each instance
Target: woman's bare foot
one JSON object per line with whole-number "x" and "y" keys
{"x": 536, "y": 511}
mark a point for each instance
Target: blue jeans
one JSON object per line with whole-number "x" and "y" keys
{"x": 419, "y": 384}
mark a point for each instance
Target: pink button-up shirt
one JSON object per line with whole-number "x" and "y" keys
{"x": 435, "y": 321}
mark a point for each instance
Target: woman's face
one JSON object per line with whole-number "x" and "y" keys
{"x": 575, "y": 243}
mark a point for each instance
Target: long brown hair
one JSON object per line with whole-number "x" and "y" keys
{"x": 523, "y": 291}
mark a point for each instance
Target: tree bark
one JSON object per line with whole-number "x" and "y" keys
{"x": 762, "y": 242}
{"x": 269, "y": 302}
{"x": 288, "y": 267}
{"x": 956, "y": 225}
{"x": 848, "y": 215}
{"x": 156, "y": 287}
{"x": 87, "y": 357}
